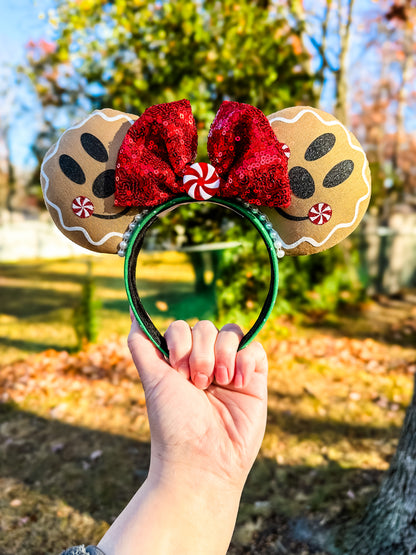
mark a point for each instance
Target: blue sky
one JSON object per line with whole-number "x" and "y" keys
{"x": 19, "y": 22}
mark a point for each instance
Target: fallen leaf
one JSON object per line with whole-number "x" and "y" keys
{"x": 162, "y": 306}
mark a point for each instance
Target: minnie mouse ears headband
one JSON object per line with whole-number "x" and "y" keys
{"x": 299, "y": 176}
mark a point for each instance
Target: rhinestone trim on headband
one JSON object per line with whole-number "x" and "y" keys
{"x": 127, "y": 234}
{"x": 274, "y": 236}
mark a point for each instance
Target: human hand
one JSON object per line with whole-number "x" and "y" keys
{"x": 207, "y": 406}
{"x": 207, "y": 414}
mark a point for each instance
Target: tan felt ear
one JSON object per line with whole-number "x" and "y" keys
{"x": 329, "y": 178}
{"x": 78, "y": 181}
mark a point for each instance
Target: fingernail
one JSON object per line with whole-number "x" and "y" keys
{"x": 221, "y": 375}
{"x": 201, "y": 381}
{"x": 238, "y": 380}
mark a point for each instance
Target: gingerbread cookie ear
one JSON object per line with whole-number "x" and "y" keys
{"x": 329, "y": 180}
{"x": 78, "y": 181}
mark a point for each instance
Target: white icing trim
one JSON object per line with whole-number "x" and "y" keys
{"x": 46, "y": 179}
{"x": 310, "y": 240}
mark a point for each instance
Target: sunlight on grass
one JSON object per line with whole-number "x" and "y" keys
{"x": 37, "y": 299}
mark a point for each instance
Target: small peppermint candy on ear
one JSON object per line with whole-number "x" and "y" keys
{"x": 82, "y": 207}
{"x": 201, "y": 181}
{"x": 286, "y": 150}
{"x": 320, "y": 213}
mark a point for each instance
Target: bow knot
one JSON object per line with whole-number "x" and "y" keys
{"x": 155, "y": 161}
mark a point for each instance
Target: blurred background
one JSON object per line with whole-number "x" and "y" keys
{"x": 341, "y": 339}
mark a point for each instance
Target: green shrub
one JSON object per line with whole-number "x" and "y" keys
{"x": 316, "y": 285}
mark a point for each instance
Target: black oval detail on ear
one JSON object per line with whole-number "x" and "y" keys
{"x": 301, "y": 182}
{"x": 94, "y": 147}
{"x": 338, "y": 174}
{"x": 71, "y": 169}
{"x": 105, "y": 184}
{"x": 320, "y": 146}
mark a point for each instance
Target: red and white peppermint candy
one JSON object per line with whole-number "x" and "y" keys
{"x": 320, "y": 213}
{"x": 286, "y": 150}
{"x": 201, "y": 181}
{"x": 82, "y": 207}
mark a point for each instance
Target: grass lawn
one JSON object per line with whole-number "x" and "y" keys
{"x": 37, "y": 299}
{"x": 74, "y": 437}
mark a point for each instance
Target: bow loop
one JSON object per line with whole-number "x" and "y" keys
{"x": 248, "y": 157}
{"x": 158, "y": 147}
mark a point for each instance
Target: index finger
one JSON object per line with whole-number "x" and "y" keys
{"x": 149, "y": 361}
{"x": 252, "y": 359}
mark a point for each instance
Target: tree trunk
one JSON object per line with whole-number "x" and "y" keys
{"x": 297, "y": 11}
{"x": 11, "y": 190}
{"x": 406, "y": 75}
{"x": 389, "y": 524}
{"x": 339, "y": 72}
{"x": 341, "y": 82}
{"x": 198, "y": 265}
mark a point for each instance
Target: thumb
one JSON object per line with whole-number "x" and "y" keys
{"x": 150, "y": 363}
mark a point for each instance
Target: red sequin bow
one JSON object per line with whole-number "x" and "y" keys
{"x": 160, "y": 146}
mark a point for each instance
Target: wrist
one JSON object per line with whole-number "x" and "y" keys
{"x": 202, "y": 508}
{"x": 175, "y": 515}
{"x": 193, "y": 475}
